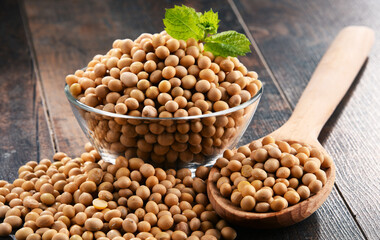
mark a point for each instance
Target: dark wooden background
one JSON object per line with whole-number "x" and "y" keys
{"x": 42, "y": 41}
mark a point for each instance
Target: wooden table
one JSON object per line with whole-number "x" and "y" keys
{"x": 42, "y": 41}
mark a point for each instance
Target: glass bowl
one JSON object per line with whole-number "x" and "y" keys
{"x": 165, "y": 142}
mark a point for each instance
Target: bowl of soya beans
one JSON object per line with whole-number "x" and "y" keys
{"x": 164, "y": 100}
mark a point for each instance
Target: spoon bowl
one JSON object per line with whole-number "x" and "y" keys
{"x": 327, "y": 86}
{"x": 284, "y": 218}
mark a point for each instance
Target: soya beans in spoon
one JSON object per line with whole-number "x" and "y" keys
{"x": 85, "y": 198}
{"x": 271, "y": 175}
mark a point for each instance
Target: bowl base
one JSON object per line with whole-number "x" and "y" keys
{"x": 209, "y": 162}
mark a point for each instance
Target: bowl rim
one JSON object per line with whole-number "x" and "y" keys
{"x": 83, "y": 106}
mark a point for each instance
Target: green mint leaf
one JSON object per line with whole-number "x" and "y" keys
{"x": 183, "y": 23}
{"x": 228, "y": 43}
{"x": 210, "y": 22}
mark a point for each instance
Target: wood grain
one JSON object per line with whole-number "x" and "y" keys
{"x": 66, "y": 37}
{"x": 299, "y": 32}
{"x": 24, "y": 135}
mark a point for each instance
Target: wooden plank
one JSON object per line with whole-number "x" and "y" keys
{"x": 293, "y": 35}
{"x": 24, "y": 135}
{"x": 66, "y": 37}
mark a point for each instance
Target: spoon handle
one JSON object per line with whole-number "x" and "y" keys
{"x": 329, "y": 82}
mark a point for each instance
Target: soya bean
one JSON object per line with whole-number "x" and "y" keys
{"x": 202, "y": 86}
{"x": 263, "y": 195}
{"x": 220, "y": 106}
{"x": 162, "y": 52}
{"x": 259, "y": 174}
{"x": 129, "y": 225}
{"x": 135, "y": 202}
{"x": 60, "y": 236}
{"x": 168, "y": 72}
{"x": 5, "y": 229}
{"x": 225, "y": 189}
{"x": 262, "y": 207}
{"x": 315, "y": 186}
{"x": 171, "y": 106}
{"x": 207, "y": 74}
{"x": 292, "y": 197}
{"x": 29, "y": 202}
{"x": 14, "y": 221}
{"x": 312, "y": 165}
{"x": 23, "y": 233}
{"x": 228, "y": 233}
{"x": 172, "y": 45}
{"x": 278, "y": 204}
{"x": 321, "y": 176}
{"x": 149, "y": 111}
{"x": 304, "y": 192}
{"x": 3, "y": 210}
{"x": 247, "y": 203}
{"x": 47, "y": 198}
{"x": 93, "y": 224}
{"x": 147, "y": 170}
{"x": 165, "y": 222}
{"x": 227, "y": 65}
{"x": 271, "y": 165}
{"x": 33, "y": 236}
{"x": 260, "y": 155}
{"x": 308, "y": 178}
{"x": 44, "y": 221}
{"x": 204, "y": 62}
{"x": 99, "y": 204}
{"x": 129, "y": 79}
{"x": 280, "y": 188}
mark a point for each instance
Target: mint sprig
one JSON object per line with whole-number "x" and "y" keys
{"x": 182, "y": 23}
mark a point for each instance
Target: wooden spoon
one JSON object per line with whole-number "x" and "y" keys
{"x": 329, "y": 83}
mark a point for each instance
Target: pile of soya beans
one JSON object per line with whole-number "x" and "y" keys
{"x": 271, "y": 175}
{"x": 160, "y": 77}
{"x": 86, "y": 198}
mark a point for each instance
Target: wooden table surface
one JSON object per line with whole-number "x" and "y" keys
{"x": 42, "y": 41}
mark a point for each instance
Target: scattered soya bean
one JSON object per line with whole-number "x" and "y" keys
{"x": 86, "y": 198}
{"x": 5, "y": 229}
{"x": 157, "y": 76}
{"x": 271, "y": 175}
